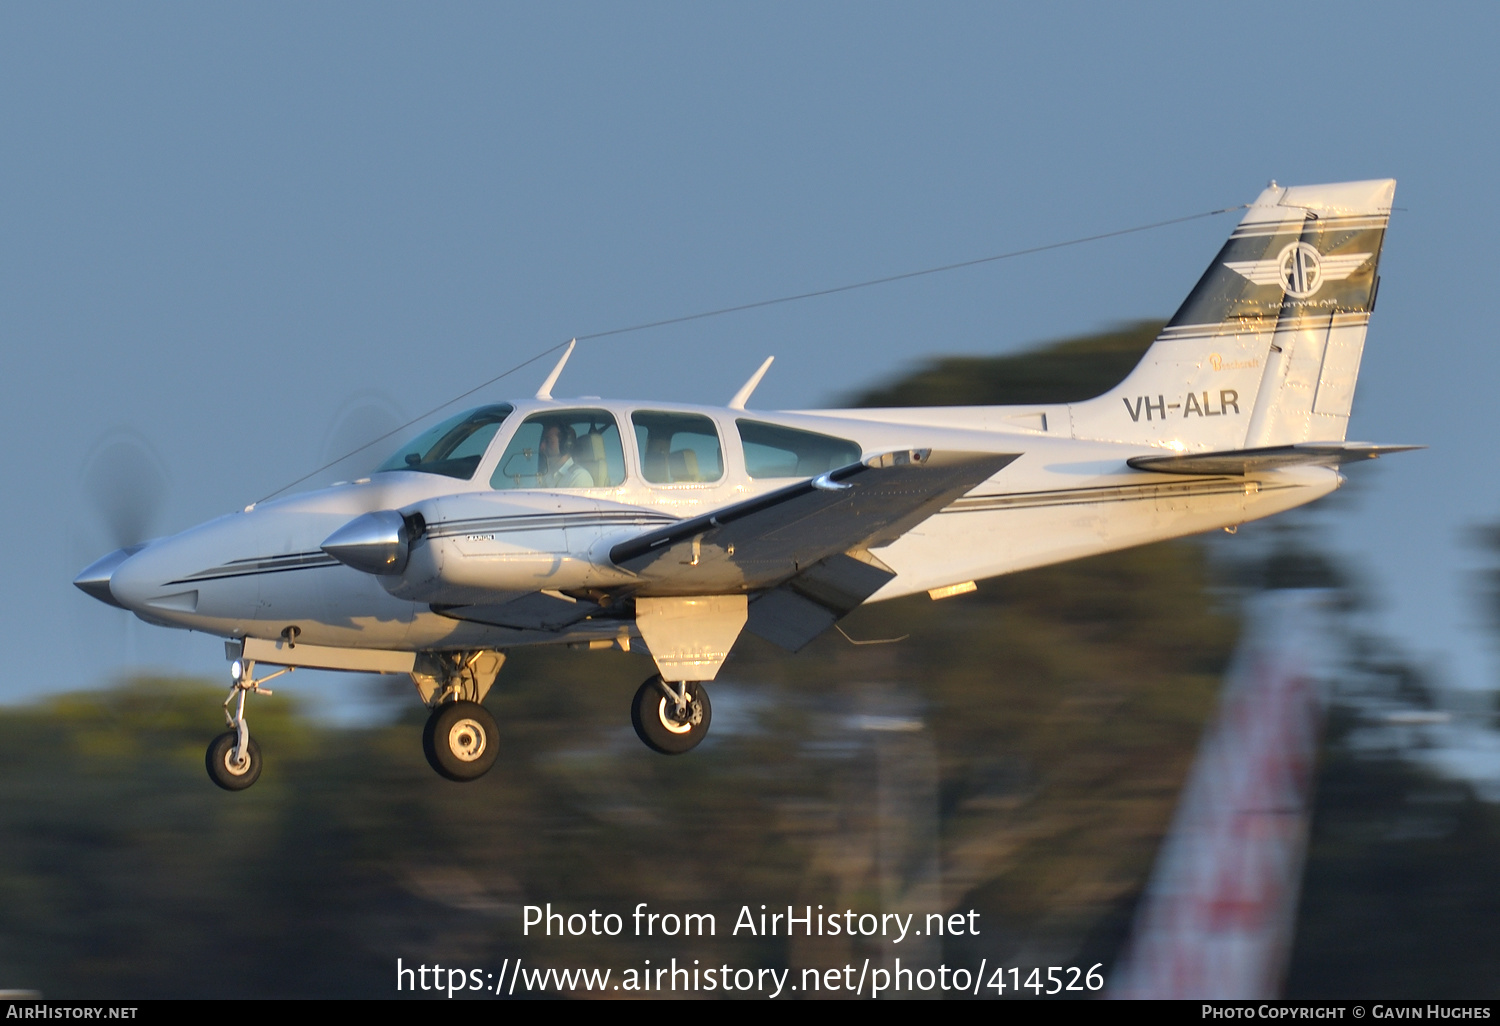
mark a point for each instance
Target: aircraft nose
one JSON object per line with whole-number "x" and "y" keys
{"x": 95, "y": 578}
{"x": 143, "y": 583}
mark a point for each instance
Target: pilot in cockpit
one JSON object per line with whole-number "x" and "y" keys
{"x": 558, "y": 469}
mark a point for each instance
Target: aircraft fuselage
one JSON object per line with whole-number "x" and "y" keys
{"x": 256, "y": 572}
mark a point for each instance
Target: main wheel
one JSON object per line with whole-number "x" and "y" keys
{"x": 224, "y": 771}
{"x": 461, "y": 740}
{"x": 657, "y": 722}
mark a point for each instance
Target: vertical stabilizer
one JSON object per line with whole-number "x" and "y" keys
{"x": 1266, "y": 348}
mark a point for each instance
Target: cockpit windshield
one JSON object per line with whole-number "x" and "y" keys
{"x": 453, "y": 448}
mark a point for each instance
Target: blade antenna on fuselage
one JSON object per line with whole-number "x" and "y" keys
{"x": 545, "y": 392}
{"x": 743, "y": 395}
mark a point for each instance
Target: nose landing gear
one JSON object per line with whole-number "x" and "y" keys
{"x": 233, "y": 758}
{"x": 671, "y": 719}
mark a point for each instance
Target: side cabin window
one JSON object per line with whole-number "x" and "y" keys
{"x": 677, "y": 448}
{"x": 775, "y": 451}
{"x": 563, "y": 449}
{"x": 453, "y": 448}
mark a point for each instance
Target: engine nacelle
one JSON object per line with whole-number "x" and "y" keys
{"x": 480, "y": 547}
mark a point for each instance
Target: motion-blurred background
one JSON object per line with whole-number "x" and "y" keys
{"x": 236, "y": 242}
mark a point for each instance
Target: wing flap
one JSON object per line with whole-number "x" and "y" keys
{"x": 1272, "y": 457}
{"x": 785, "y": 618}
{"x": 813, "y": 601}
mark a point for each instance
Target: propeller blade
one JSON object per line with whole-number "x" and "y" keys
{"x": 126, "y": 484}
{"x": 365, "y": 416}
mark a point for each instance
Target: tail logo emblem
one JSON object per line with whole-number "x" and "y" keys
{"x": 1299, "y": 269}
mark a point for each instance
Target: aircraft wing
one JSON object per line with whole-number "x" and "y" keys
{"x": 772, "y": 538}
{"x": 805, "y": 547}
{"x": 1271, "y": 457}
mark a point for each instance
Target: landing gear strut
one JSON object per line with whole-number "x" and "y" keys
{"x": 671, "y": 718}
{"x": 233, "y": 758}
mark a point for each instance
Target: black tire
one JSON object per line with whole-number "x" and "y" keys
{"x": 654, "y": 717}
{"x": 224, "y": 772}
{"x": 461, "y": 741}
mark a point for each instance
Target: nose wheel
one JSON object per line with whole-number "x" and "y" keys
{"x": 671, "y": 718}
{"x": 228, "y": 767}
{"x": 461, "y": 740}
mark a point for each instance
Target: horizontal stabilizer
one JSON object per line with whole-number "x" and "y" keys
{"x": 1271, "y": 457}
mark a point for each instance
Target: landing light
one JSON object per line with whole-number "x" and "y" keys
{"x": 237, "y": 671}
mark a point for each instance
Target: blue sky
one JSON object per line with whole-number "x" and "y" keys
{"x": 234, "y": 231}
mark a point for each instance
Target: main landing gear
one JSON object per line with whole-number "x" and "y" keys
{"x": 461, "y": 740}
{"x": 233, "y": 758}
{"x": 671, "y": 718}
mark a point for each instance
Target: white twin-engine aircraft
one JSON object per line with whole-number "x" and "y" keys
{"x": 598, "y": 523}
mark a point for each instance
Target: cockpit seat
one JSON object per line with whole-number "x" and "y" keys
{"x": 588, "y": 453}
{"x": 684, "y": 463}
